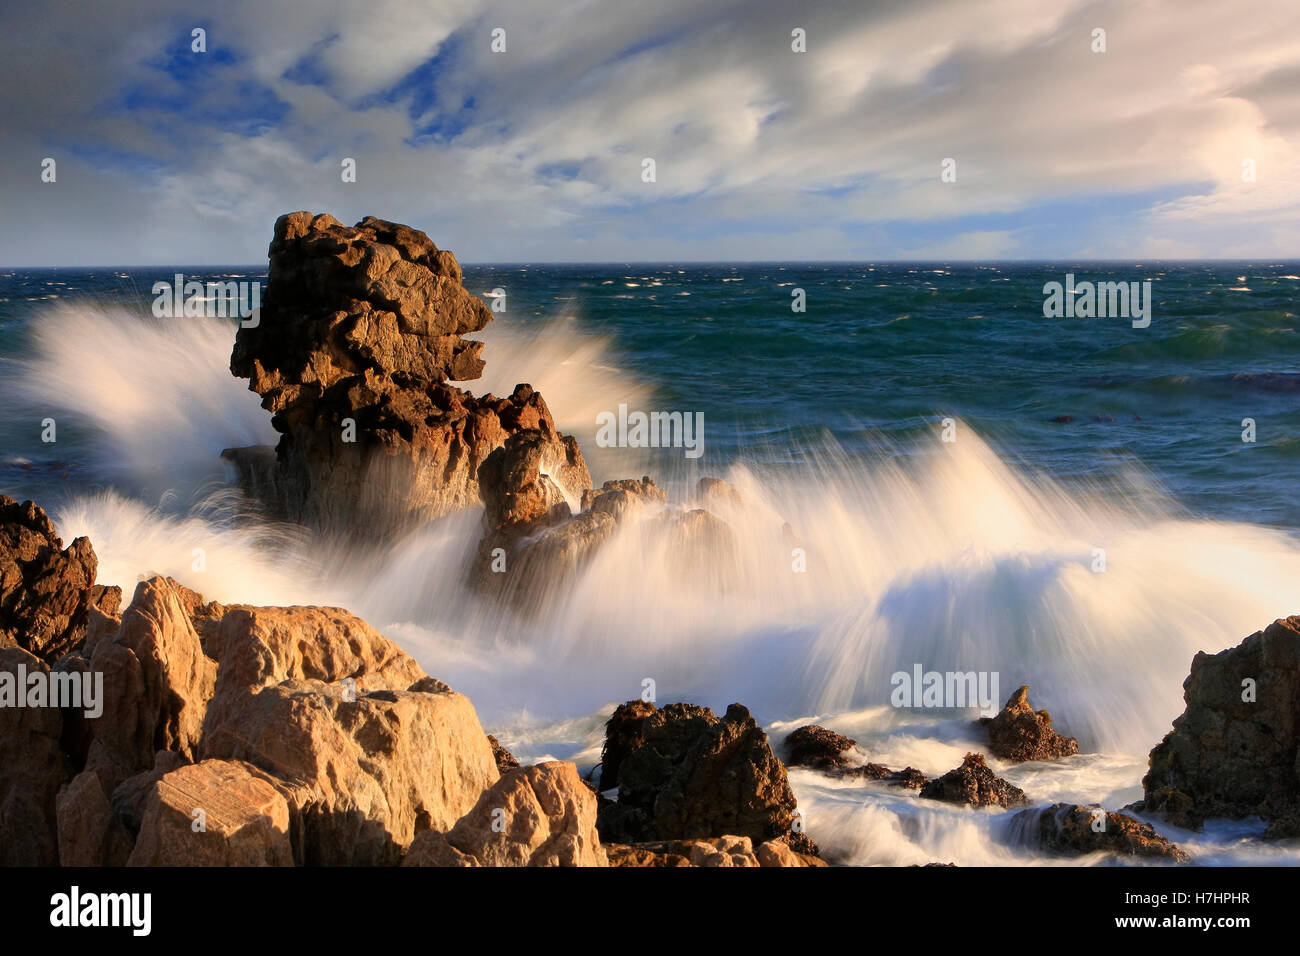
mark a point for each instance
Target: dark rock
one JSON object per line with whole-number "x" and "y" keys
{"x": 624, "y": 733}
{"x": 817, "y": 748}
{"x": 623, "y": 497}
{"x": 32, "y": 770}
{"x": 974, "y": 783}
{"x": 1235, "y": 750}
{"x": 1073, "y": 830}
{"x": 46, "y": 592}
{"x": 365, "y": 325}
{"x": 695, "y": 776}
{"x": 725, "y": 851}
{"x": 505, "y": 760}
{"x": 1018, "y": 733}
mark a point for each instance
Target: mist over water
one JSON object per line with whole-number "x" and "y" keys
{"x": 955, "y": 556}
{"x": 950, "y": 558}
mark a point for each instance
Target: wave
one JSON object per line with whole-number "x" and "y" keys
{"x": 939, "y": 554}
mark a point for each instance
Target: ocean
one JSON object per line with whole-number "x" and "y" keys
{"x": 1065, "y": 502}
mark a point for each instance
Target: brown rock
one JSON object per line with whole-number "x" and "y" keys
{"x": 90, "y": 834}
{"x": 818, "y": 748}
{"x": 504, "y": 759}
{"x": 32, "y": 769}
{"x": 721, "y": 851}
{"x": 542, "y": 815}
{"x": 1018, "y": 733}
{"x": 157, "y": 684}
{"x": 695, "y": 776}
{"x": 214, "y": 813}
{"x": 624, "y": 732}
{"x": 361, "y": 329}
{"x": 1235, "y": 750}
{"x": 46, "y": 592}
{"x": 1073, "y": 830}
{"x": 974, "y": 783}
{"x": 624, "y": 497}
{"x": 362, "y": 777}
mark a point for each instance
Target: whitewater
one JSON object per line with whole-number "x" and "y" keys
{"x": 950, "y": 555}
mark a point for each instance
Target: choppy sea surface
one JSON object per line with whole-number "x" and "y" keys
{"x": 1097, "y": 520}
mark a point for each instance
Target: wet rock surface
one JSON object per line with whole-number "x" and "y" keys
{"x": 974, "y": 783}
{"x": 1235, "y": 750}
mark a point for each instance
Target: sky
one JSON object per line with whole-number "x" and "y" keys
{"x": 1181, "y": 139}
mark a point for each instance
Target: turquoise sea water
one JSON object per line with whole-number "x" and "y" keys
{"x": 887, "y": 350}
{"x": 1075, "y": 437}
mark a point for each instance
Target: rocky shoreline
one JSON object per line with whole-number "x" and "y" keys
{"x": 237, "y": 735}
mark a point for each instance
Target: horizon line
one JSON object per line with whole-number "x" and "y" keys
{"x": 729, "y": 262}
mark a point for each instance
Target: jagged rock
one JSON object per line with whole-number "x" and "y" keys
{"x": 90, "y": 833}
{"x": 695, "y": 776}
{"x": 157, "y": 684}
{"x": 361, "y": 329}
{"x": 624, "y": 732}
{"x": 721, "y": 851}
{"x": 625, "y": 497}
{"x": 258, "y": 647}
{"x": 132, "y": 794}
{"x": 1074, "y": 830}
{"x": 818, "y": 748}
{"x": 1019, "y": 733}
{"x": 974, "y": 783}
{"x": 214, "y": 813}
{"x": 368, "y": 749}
{"x": 714, "y": 493}
{"x": 364, "y": 776}
{"x": 543, "y": 815}
{"x": 700, "y": 548}
{"x": 32, "y": 769}
{"x": 46, "y": 592}
{"x": 503, "y": 758}
{"x": 909, "y": 777}
{"x": 1235, "y": 750}
{"x": 529, "y": 543}
{"x": 520, "y": 482}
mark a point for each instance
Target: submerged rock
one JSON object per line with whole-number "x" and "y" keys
{"x": 818, "y": 748}
{"x": 1235, "y": 750}
{"x": 975, "y": 784}
{"x": 1019, "y": 733}
{"x": 1074, "y": 830}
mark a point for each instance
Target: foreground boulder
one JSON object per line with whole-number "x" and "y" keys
{"x": 1073, "y": 830}
{"x": 32, "y": 770}
{"x": 90, "y": 833}
{"x": 46, "y": 591}
{"x": 361, "y": 330}
{"x": 975, "y": 784}
{"x": 721, "y": 851}
{"x": 686, "y": 774}
{"x": 543, "y": 815}
{"x": 303, "y": 734}
{"x": 1019, "y": 733}
{"x": 214, "y": 813}
{"x": 1235, "y": 750}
